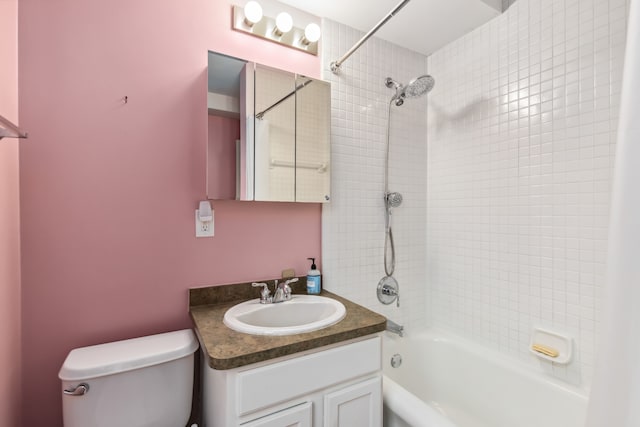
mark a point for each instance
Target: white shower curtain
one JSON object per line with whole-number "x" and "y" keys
{"x": 615, "y": 393}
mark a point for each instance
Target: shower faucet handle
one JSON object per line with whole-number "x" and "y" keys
{"x": 388, "y": 291}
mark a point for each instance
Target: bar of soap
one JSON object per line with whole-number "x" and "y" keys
{"x": 547, "y": 351}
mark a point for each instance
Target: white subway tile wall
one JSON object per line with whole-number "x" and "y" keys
{"x": 521, "y": 136}
{"x": 353, "y": 222}
{"x": 510, "y": 232}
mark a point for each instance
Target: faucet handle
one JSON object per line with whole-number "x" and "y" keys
{"x": 287, "y": 288}
{"x": 264, "y": 293}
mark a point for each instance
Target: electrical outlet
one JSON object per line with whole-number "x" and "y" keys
{"x": 204, "y": 228}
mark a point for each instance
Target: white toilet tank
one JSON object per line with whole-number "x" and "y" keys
{"x": 141, "y": 382}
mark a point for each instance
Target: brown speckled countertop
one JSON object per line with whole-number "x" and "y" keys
{"x": 229, "y": 349}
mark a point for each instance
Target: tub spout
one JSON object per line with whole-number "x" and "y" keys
{"x": 395, "y": 328}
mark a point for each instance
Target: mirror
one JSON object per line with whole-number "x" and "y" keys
{"x": 313, "y": 140}
{"x": 275, "y": 134}
{"x": 269, "y": 133}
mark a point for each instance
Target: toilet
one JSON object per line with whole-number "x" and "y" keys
{"x": 140, "y": 382}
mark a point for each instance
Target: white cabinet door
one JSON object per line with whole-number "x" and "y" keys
{"x": 298, "y": 416}
{"x": 359, "y": 405}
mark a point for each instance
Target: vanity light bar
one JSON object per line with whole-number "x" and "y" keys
{"x": 278, "y": 30}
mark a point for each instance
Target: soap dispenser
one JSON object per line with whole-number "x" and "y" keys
{"x": 313, "y": 279}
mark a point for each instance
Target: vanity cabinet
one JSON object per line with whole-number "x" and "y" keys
{"x": 338, "y": 386}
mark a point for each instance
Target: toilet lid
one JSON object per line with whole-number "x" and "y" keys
{"x": 120, "y": 356}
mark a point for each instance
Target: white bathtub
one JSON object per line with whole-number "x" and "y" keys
{"x": 445, "y": 381}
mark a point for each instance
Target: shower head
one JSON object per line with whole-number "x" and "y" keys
{"x": 416, "y": 87}
{"x": 419, "y": 86}
{"x": 393, "y": 200}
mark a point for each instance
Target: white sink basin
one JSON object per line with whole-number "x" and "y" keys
{"x": 303, "y": 313}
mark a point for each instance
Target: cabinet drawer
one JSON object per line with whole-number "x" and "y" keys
{"x": 271, "y": 384}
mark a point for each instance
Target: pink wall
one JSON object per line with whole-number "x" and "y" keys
{"x": 10, "y": 347}
{"x": 109, "y": 189}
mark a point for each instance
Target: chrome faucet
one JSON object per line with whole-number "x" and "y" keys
{"x": 281, "y": 293}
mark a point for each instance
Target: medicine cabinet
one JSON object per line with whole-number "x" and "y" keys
{"x": 269, "y": 133}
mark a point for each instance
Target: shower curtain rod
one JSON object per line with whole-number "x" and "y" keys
{"x": 335, "y": 65}
{"x": 281, "y": 100}
{"x": 9, "y": 130}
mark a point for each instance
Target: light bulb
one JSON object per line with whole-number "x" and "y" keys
{"x": 284, "y": 23}
{"x": 311, "y": 33}
{"x": 252, "y": 13}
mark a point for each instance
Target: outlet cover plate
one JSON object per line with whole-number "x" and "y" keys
{"x": 204, "y": 228}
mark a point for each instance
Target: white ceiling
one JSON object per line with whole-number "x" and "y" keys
{"x": 422, "y": 25}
